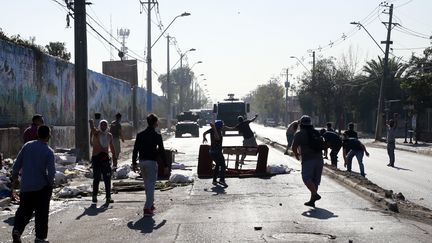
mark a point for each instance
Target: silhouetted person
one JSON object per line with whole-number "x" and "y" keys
{"x": 329, "y": 127}
{"x": 216, "y": 151}
{"x": 291, "y": 130}
{"x": 391, "y": 141}
{"x": 353, "y": 147}
{"x": 350, "y": 132}
{"x": 117, "y": 133}
{"x": 30, "y": 133}
{"x": 334, "y": 142}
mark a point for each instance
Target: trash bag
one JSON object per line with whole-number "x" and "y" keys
{"x": 178, "y": 178}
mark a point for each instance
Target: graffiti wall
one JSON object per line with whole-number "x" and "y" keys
{"x": 32, "y": 82}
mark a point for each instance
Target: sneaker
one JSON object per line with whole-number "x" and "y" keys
{"x": 310, "y": 203}
{"x": 148, "y": 212}
{"x": 390, "y": 165}
{"x": 214, "y": 183}
{"x": 94, "y": 199}
{"x": 286, "y": 152}
{"x": 37, "y": 240}
{"x": 223, "y": 183}
{"x": 109, "y": 200}
{"x": 316, "y": 197}
{"x": 16, "y": 236}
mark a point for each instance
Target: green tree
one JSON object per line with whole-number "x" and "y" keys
{"x": 268, "y": 100}
{"x": 58, "y": 49}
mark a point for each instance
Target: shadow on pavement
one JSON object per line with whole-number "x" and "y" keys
{"x": 146, "y": 225}
{"x": 319, "y": 213}
{"x": 218, "y": 190}
{"x": 400, "y": 168}
{"x": 10, "y": 221}
{"x": 93, "y": 211}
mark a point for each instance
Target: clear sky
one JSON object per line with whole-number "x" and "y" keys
{"x": 242, "y": 43}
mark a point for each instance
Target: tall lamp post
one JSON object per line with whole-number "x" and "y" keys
{"x": 181, "y": 98}
{"x": 149, "y": 59}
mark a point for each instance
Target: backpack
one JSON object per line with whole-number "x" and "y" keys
{"x": 316, "y": 141}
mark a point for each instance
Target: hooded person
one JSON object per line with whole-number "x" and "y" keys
{"x": 101, "y": 162}
{"x": 216, "y": 151}
{"x": 307, "y": 147}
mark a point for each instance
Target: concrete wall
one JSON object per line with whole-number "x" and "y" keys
{"x": 10, "y": 141}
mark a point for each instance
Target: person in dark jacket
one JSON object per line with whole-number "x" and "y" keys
{"x": 149, "y": 145}
{"x": 353, "y": 147}
{"x": 350, "y": 132}
{"x": 333, "y": 142}
{"x": 36, "y": 163}
{"x": 30, "y": 133}
{"x": 216, "y": 151}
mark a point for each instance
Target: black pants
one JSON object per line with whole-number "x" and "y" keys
{"x": 101, "y": 168}
{"x": 333, "y": 154}
{"x": 37, "y": 202}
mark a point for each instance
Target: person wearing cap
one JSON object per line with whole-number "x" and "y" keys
{"x": 149, "y": 146}
{"x": 307, "y": 146}
{"x": 117, "y": 133}
{"x": 216, "y": 151}
{"x": 101, "y": 162}
{"x": 30, "y": 133}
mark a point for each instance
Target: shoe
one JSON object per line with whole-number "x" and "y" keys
{"x": 310, "y": 203}
{"x": 148, "y": 212}
{"x": 16, "y": 236}
{"x": 390, "y": 165}
{"x": 316, "y": 197}
{"x": 223, "y": 183}
{"x": 109, "y": 200}
{"x": 37, "y": 240}
{"x": 286, "y": 152}
{"x": 94, "y": 199}
{"x": 215, "y": 183}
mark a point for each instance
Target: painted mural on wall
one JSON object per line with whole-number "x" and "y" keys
{"x": 33, "y": 83}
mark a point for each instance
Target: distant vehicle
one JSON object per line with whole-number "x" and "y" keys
{"x": 206, "y": 116}
{"x": 270, "y": 122}
{"x": 229, "y": 109}
{"x": 187, "y": 123}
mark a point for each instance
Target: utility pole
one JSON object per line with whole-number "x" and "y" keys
{"x": 181, "y": 100}
{"x": 81, "y": 92}
{"x": 149, "y": 56}
{"x": 378, "y": 125}
{"x": 168, "y": 85}
{"x": 287, "y": 84}
{"x": 313, "y": 66}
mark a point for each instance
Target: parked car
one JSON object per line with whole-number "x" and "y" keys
{"x": 269, "y": 122}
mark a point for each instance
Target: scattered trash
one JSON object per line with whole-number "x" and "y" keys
{"x": 400, "y": 196}
{"x": 178, "y": 178}
{"x": 65, "y": 159}
{"x": 177, "y": 166}
{"x": 122, "y": 172}
{"x": 388, "y": 193}
{"x": 73, "y": 191}
{"x": 60, "y": 178}
{"x": 278, "y": 169}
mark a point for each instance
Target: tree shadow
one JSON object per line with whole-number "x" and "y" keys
{"x": 93, "y": 210}
{"x": 146, "y": 225}
{"x": 319, "y": 213}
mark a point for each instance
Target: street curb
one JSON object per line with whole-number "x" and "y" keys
{"x": 384, "y": 202}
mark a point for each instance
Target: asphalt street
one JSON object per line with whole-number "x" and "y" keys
{"x": 248, "y": 210}
{"x": 411, "y": 174}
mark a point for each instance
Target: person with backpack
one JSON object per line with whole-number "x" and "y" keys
{"x": 307, "y": 147}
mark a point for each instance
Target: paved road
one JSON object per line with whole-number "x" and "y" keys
{"x": 249, "y": 210}
{"x": 411, "y": 175}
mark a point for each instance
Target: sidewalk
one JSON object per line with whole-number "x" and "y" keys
{"x": 420, "y": 148}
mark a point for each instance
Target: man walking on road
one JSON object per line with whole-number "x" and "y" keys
{"x": 308, "y": 145}
{"x": 36, "y": 163}
{"x": 353, "y": 147}
{"x": 391, "y": 140}
{"x": 30, "y": 133}
{"x": 216, "y": 151}
{"x": 102, "y": 142}
{"x": 117, "y": 133}
{"x": 149, "y": 145}
{"x": 291, "y": 130}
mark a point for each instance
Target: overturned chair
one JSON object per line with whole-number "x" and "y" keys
{"x": 205, "y": 163}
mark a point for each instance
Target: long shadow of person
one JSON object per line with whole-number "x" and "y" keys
{"x": 146, "y": 225}
{"x": 93, "y": 210}
{"x": 400, "y": 168}
{"x": 319, "y": 213}
{"x": 218, "y": 190}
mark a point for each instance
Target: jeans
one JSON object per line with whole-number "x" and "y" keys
{"x": 359, "y": 155}
{"x": 149, "y": 173}
{"x": 37, "y": 202}
{"x": 290, "y": 138}
{"x": 219, "y": 159}
{"x": 390, "y": 151}
{"x": 333, "y": 154}
{"x": 101, "y": 168}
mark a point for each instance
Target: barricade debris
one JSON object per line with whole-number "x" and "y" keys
{"x": 178, "y": 178}
{"x": 74, "y": 191}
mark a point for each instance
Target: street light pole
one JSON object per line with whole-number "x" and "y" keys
{"x": 181, "y": 98}
{"x": 301, "y": 63}
{"x": 169, "y": 113}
